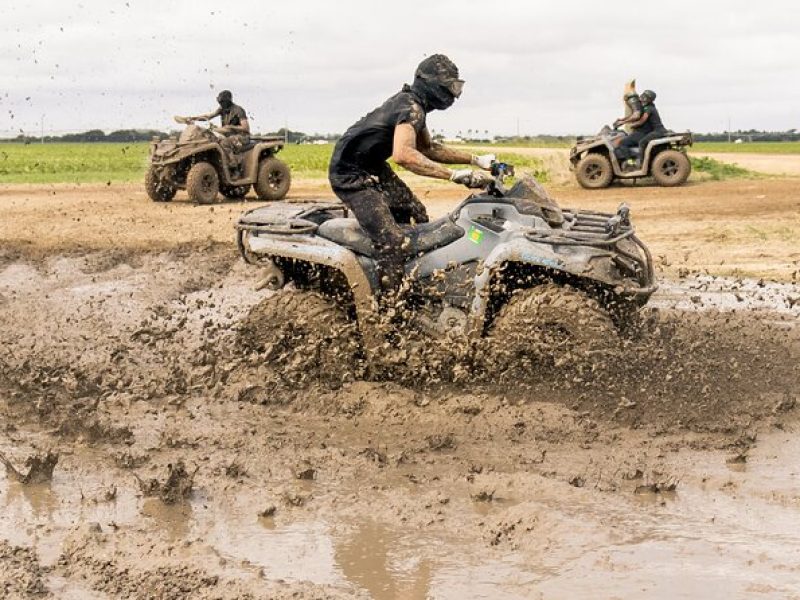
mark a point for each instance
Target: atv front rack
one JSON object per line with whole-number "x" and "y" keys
{"x": 603, "y": 230}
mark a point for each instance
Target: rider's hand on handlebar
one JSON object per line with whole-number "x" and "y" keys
{"x": 483, "y": 161}
{"x": 470, "y": 178}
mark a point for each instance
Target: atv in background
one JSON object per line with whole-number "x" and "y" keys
{"x": 507, "y": 264}
{"x": 196, "y": 162}
{"x": 599, "y": 160}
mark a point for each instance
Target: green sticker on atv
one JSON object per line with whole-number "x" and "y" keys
{"x": 475, "y": 235}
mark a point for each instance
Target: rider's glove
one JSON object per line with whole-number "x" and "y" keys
{"x": 470, "y": 178}
{"x": 484, "y": 161}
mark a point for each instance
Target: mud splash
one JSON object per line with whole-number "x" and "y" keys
{"x": 669, "y": 468}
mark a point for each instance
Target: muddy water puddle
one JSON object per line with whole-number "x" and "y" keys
{"x": 727, "y": 294}
{"x": 731, "y": 529}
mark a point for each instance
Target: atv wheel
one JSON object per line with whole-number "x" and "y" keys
{"x": 671, "y": 168}
{"x": 549, "y": 323}
{"x": 594, "y": 171}
{"x": 157, "y": 189}
{"x": 304, "y": 332}
{"x": 235, "y": 193}
{"x": 202, "y": 183}
{"x": 273, "y": 179}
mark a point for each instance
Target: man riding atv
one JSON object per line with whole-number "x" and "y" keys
{"x": 646, "y": 125}
{"x": 366, "y": 184}
{"x": 235, "y": 126}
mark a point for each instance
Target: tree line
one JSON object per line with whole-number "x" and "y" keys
{"x": 145, "y": 135}
{"x": 299, "y": 137}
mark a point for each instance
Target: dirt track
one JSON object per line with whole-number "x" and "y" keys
{"x": 669, "y": 471}
{"x": 731, "y": 228}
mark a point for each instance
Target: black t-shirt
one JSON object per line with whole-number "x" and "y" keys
{"x": 653, "y": 122}
{"x": 232, "y": 116}
{"x": 367, "y": 145}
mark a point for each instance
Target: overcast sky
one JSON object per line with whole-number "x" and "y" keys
{"x": 318, "y": 65}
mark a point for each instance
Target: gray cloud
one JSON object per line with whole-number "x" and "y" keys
{"x": 553, "y": 68}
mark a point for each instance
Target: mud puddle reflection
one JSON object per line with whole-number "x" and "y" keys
{"x": 386, "y": 562}
{"x": 730, "y": 530}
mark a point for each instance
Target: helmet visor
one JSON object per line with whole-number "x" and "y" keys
{"x": 456, "y": 86}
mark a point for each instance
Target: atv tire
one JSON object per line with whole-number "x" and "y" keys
{"x": 157, "y": 189}
{"x": 594, "y": 171}
{"x": 235, "y": 192}
{"x": 670, "y": 168}
{"x": 273, "y": 179}
{"x": 305, "y": 333}
{"x": 202, "y": 183}
{"x": 549, "y": 323}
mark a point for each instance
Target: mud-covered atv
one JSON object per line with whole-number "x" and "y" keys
{"x": 509, "y": 265}
{"x": 196, "y": 162}
{"x": 599, "y": 160}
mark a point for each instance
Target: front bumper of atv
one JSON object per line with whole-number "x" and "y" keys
{"x": 622, "y": 262}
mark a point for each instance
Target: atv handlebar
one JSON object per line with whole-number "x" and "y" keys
{"x": 499, "y": 171}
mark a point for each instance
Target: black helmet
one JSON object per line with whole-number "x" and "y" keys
{"x": 436, "y": 80}
{"x": 648, "y": 96}
{"x": 225, "y": 99}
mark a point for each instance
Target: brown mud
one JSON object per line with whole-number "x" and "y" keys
{"x": 193, "y": 465}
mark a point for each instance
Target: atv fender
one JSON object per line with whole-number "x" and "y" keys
{"x": 253, "y": 156}
{"x": 316, "y": 250}
{"x": 185, "y": 153}
{"x": 597, "y": 266}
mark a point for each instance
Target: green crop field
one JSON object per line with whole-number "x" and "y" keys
{"x": 112, "y": 162}
{"x": 76, "y": 163}
{"x": 749, "y": 147}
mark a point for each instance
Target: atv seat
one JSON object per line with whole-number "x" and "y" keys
{"x": 423, "y": 237}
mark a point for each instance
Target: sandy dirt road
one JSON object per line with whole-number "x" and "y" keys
{"x": 771, "y": 164}
{"x": 743, "y": 227}
{"x": 188, "y": 467}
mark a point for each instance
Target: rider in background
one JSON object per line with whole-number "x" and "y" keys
{"x": 362, "y": 178}
{"x": 647, "y": 127}
{"x": 235, "y": 126}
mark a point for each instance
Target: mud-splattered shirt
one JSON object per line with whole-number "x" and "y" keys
{"x": 232, "y": 116}
{"x": 364, "y": 148}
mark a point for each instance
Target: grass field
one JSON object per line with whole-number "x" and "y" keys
{"x": 109, "y": 162}
{"x": 749, "y": 148}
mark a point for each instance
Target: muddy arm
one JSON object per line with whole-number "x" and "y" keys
{"x": 640, "y": 121}
{"x": 244, "y": 127}
{"x": 406, "y": 154}
{"x": 206, "y": 116}
{"x": 441, "y": 153}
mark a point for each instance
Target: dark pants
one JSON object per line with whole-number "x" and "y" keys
{"x": 632, "y": 141}
{"x": 640, "y": 139}
{"x": 646, "y": 139}
{"x": 233, "y": 145}
{"x": 380, "y": 204}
